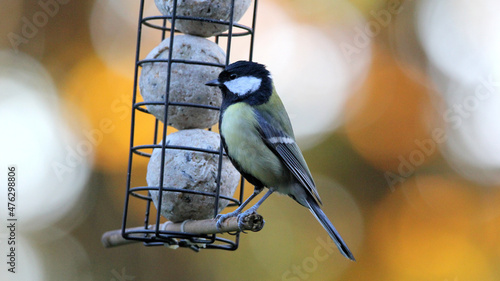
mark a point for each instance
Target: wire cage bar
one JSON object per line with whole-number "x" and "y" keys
{"x": 151, "y": 233}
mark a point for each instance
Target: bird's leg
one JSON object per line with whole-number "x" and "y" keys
{"x": 222, "y": 217}
{"x": 253, "y": 209}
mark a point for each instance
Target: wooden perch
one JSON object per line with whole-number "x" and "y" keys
{"x": 252, "y": 222}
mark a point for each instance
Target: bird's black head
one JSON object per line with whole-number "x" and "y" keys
{"x": 244, "y": 81}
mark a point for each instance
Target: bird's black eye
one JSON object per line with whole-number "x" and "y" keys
{"x": 233, "y": 76}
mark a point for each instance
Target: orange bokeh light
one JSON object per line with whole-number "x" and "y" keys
{"x": 104, "y": 98}
{"x": 388, "y": 119}
{"x": 424, "y": 231}
{"x": 489, "y": 227}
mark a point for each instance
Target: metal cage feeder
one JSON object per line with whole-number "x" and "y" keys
{"x": 153, "y": 232}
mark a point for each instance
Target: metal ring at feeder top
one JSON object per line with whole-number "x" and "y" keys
{"x": 148, "y": 22}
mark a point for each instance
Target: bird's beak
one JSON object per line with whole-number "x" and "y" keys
{"x": 214, "y": 82}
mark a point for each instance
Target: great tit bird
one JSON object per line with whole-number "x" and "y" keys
{"x": 258, "y": 138}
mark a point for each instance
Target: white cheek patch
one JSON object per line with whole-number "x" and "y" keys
{"x": 243, "y": 85}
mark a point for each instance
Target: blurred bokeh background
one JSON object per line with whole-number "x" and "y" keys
{"x": 396, "y": 105}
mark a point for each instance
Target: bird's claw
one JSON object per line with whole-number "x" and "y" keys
{"x": 240, "y": 222}
{"x": 240, "y": 216}
{"x": 222, "y": 217}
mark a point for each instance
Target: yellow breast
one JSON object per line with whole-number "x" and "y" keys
{"x": 244, "y": 145}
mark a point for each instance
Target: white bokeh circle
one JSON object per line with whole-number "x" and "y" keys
{"x": 51, "y": 169}
{"x": 461, "y": 39}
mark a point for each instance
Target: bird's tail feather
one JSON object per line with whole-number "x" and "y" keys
{"x": 328, "y": 226}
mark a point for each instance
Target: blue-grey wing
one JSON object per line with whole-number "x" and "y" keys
{"x": 278, "y": 136}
